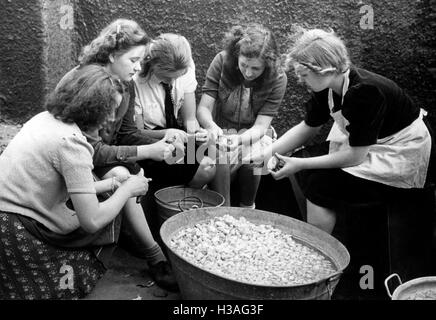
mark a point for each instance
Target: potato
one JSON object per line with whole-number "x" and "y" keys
{"x": 250, "y": 253}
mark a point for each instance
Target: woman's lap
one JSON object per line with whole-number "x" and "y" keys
{"x": 32, "y": 269}
{"x": 335, "y": 188}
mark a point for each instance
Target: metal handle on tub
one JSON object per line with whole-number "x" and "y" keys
{"x": 194, "y": 206}
{"x": 387, "y": 281}
{"x": 334, "y": 277}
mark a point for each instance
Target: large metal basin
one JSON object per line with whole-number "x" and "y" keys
{"x": 412, "y": 288}
{"x": 198, "y": 284}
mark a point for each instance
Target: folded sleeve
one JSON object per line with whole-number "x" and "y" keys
{"x": 364, "y": 107}
{"x": 74, "y": 163}
{"x": 105, "y": 154}
{"x": 213, "y": 76}
{"x": 273, "y": 101}
{"x": 189, "y": 80}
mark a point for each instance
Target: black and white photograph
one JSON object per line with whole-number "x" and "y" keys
{"x": 218, "y": 158}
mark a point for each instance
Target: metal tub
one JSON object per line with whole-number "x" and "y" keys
{"x": 172, "y": 200}
{"x": 409, "y": 289}
{"x": 198, "y": 284}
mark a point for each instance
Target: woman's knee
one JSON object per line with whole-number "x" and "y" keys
{"x": 207, "y": 169}
{"x": 117, "y": 172}
{"x": 205, "y": 173}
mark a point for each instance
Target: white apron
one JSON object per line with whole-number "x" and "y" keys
{"x": 400, "y": 160}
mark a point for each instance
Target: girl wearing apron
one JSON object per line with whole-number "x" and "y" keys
{"x": 378, "y": 143}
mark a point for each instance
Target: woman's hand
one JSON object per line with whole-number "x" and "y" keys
{"x": 136, "y": 185}
{"x": 290, "y": 166}
{"x": 161, "y": 150}
{"x": 201, "y": 135}
{"x": 173, "y": 135}
{"x": 214, "y": 132}
{"x": 233, "y": 142}
{"x": 258, "y": 157}
{"x": 192, "y": 125}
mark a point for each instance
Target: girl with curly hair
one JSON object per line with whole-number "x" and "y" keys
{"x": 118, "y": 144}
{"x": 120, "y": 48}
{"x": 46, "y": 163}
{"x": 242, "y": 93}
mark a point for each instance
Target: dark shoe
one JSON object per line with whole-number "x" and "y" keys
{"x": 163, "y": 275}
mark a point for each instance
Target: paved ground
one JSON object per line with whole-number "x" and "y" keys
{"x": 127, "y": 279}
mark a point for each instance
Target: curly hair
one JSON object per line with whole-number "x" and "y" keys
{"x": 117, "y": 38}
{"x": 251, "y": 41}
{"x": 320, "y": 51}
{"x": 88, "y": 99}
{"x": 169, "y": 52}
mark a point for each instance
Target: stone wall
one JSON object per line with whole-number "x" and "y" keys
{"x": 399, "y": 44}
{"x": 22, "y": 43}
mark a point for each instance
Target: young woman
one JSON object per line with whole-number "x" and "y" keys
{"x": 46, "y": 248}
{"x": 378, "y": 144}
{"x": 118, "y": 144}
{"x": 119, "y": 48}
{"x": 164, "y": 88}
{"x": 243, "y": 90}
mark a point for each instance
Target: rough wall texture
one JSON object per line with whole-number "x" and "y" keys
{"x": 21, "y": 43}
{"x": 59, "y": 54}
{"x": 401, "y": 44}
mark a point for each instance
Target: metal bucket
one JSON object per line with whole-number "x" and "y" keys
{"x": 196, "y": 283}
{"x": 173, "y": 200}
{"x": 412, "y": 288}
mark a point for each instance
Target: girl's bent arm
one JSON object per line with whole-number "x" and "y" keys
{"x": 257, "y": 131}
{"x": 188, "y": 110}
{"x": 293, "y": 139}
{"x": 93, "y": 215}
{"x": 349, "y": 157}
{"x": 204, "y": 111}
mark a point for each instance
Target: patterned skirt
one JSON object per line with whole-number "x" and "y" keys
{"x": 32, "y": 269}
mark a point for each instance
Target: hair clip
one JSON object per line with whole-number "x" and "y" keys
{"x": 112, "y": 82}
{"x": 317, "y": 69}
{"x": 118, "y": 29}
{"x": 330, "y": 69}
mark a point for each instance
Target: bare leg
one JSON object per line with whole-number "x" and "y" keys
{"x": 299, "y": 196}
{"x": 320, "y": 217}
{"x": 135, "y": 217}
{"x": 138, "y": 227}
{"x": 221, "y": 182}
{"x": 145, "y": 245}
{"x": 205, "y": 173}
{"x": 248, "y": 185}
